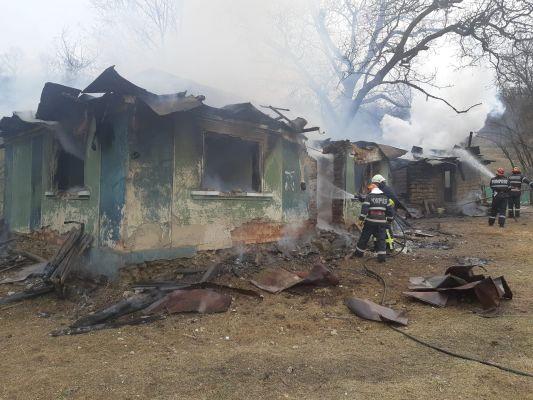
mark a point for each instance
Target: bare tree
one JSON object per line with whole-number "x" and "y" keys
{"x": 150, "y": 20}
{"x": 73, "y": 58}
{"x": 369, "y": 50}
{"x": 512, "y": 131}
{"x": 9, "y": 69}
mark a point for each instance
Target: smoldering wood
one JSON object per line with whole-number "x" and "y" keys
{"x": 143, "y": 320}
{"x": 135, "y": 303}
{"x": 169, "y": 286}
{"x": 31, "y": 256}
{"x": 35, "y": 291}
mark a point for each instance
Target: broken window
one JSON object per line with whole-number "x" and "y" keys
{"x": 69, "y": 172}
{"x": 231, "y": 164}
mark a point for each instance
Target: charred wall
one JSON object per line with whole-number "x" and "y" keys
{"x": 167, "y": 204}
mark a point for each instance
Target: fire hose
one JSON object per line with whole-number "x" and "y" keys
{"x": 372, "y": 274}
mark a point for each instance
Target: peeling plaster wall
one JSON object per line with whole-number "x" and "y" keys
{"x": 140, "y": 176}
{"x": 149, "y": 183}
{"x": 114, "y": 169}
{"x": 57, "y": 210}
{"x": 211, "y": 223}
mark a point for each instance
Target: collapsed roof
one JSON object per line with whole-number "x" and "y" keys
{"x": 364, "y": 151}
{"x": 61, "y": 103}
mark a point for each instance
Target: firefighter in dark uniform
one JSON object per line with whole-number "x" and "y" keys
{"x": 376, "y": 213}
{"x": 500, "y": 194}
{"x": 516, "y": 179}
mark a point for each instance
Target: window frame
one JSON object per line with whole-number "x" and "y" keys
{"x": 261, "y": 146}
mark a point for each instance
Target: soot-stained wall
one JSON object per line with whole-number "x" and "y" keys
{"x": 143, "y": 185}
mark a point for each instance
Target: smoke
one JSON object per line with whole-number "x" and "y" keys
{"x": 221, "y": 49}
{"x": 434, "y": 125}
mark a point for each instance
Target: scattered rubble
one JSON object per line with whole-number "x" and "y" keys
{"x": 278, "y": 280}
{"x": 457, "y": 281}
{"x": 57, "y": 270}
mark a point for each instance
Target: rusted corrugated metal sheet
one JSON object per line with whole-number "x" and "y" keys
{"x": 369, "y": 310}
{"x": 204, "y": 301}
{"x": 277, "y": 280}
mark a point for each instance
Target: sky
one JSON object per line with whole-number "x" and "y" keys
{"x": 223, "y": 44}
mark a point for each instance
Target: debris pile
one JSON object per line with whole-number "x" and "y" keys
{"x": 155, "y": 300}
{"x": 51, "y": 275}
{"x": 459, "y": 281}
{"x": 277, "y": 280}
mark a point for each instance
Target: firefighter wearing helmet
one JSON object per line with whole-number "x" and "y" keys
{"x": 381, "y": 183}
{"x": 516, "y": 179}
{"x": 376, "y": 214}
{"x": 500, "y": 194}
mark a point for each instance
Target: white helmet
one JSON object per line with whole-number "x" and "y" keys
{"x": 378, "y": 179}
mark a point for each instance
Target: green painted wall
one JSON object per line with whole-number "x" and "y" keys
{"x": 208, "y": 221}
{"x": 19, "y": 181}
{"x": 141, "y": 182}
{"x": 57, "y": 210}
{"x": 295, "y": 200}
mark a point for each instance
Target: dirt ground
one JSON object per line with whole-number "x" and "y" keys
{"x": 294, "y": 346}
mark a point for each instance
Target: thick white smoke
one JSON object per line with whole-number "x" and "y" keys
{"x": 434, "y": 125}
{"x": 220, "y": 49}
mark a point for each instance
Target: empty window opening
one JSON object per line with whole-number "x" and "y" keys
{"x": 231, "y": 164}
{"x": 69, "y": 171}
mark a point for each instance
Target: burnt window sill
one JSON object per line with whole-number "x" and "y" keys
{"x": 215, "y": 194}
{"x": 66, "y": 195}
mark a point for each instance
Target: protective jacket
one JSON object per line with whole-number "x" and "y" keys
{"x": 516, "y": 181}
{"x": 377, "y": 212}
{"x": 377, "y": 208}
{"x": 500, "y": 193}
{"x": 500, "y": 185}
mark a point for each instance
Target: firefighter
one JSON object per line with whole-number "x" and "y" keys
{"x": 381, "y": 182}
{"x": 516, "y": 179}
{"x": 376, "y": 214}
{"x": 500, "y": 193}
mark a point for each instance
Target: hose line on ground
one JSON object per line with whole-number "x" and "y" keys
{"x": 372, "y": 274}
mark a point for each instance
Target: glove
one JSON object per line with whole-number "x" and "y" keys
{"x": 361, "y": 220}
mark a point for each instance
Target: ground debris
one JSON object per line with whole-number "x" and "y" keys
{"x": 369, "y": 310}
{"x": 56, "y": 271}
{"x": 203, "y": 301}
{"x": 278, "y": 280}
{"x": 459, "y": 280}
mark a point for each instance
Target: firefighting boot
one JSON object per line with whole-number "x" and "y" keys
{"x": 517, "y": 213}
{"x": 358, "y": 253}
{"x": 501, "y": 221}
{"x": 491, "y": 221}
{"x": 511, "y": 213}
{"x": 381, "y": 258}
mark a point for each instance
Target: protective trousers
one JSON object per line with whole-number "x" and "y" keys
{"x": 498, "y": 208}
{"x": 379, "y": 231}
{"x": 514, "y": 204}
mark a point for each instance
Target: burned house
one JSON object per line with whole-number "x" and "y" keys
{"x": 440, "y": 179}
{"x": 154, "y": 176}
{"x": 353, "y": 164}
